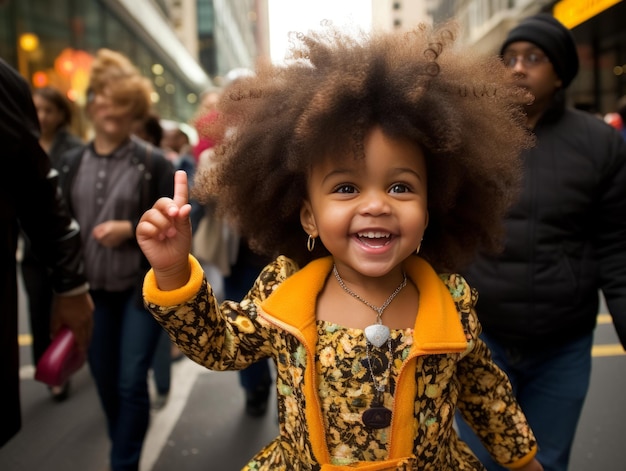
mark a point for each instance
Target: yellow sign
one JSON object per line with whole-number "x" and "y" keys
{"x": 574, "y": 12}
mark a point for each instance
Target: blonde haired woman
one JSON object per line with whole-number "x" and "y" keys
{"x": 108, "y": 184}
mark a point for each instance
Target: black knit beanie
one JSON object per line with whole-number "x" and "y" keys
{"x": 552, "y": 38}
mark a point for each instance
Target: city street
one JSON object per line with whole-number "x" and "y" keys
{"x": 203, "y": 426}
{"x": 264, "y": 104}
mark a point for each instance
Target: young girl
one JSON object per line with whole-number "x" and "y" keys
{"x": 358, "y": 154}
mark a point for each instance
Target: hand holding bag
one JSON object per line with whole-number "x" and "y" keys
{"x": 60, "y": 360}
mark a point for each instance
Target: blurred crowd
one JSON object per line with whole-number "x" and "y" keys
{"x": 103, "y": 185}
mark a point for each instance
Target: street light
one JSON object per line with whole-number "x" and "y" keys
{"x": 28, "y": 42}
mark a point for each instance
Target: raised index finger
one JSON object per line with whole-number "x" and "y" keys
{"x": 181, "y": 190}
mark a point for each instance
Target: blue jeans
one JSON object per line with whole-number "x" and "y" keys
{"x": 162, "y": 364}
{"x": 550, "y": 385}
{"x": 124, "y": 339}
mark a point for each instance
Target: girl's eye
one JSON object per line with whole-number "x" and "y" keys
{"x": 345, "y": 188}
{"x": 399, "y": 188}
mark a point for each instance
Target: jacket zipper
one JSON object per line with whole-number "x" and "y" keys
{"x": 310, "y": 358}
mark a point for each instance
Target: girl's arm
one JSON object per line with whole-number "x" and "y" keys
{"x": 164, "y": 235}
{"x": 486, "y": 399}
{"x": 230, "y": 336}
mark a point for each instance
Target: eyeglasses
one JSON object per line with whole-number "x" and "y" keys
{"x": 529, "y": 60}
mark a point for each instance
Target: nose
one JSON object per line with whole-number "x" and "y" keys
{"x": 518, "y": 67}
{"x": 375, "y": 203}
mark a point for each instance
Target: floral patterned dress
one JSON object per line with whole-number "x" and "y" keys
{"x": 346, "y": 388}
{"x": 325, "y": 380}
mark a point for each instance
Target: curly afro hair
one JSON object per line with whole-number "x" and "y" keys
{"x": 461, "y": 109}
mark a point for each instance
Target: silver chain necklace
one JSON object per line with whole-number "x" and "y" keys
{"x": 377, "y": 334}
{"x": 377, "y": 415}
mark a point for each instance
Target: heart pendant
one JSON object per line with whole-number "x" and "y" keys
{"x": 377, "y": 334}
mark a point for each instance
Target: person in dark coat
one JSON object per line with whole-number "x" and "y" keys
{"x": 566, "y": 241}
{"x": 29, "y": 199}
{"x": 54, "y": 113}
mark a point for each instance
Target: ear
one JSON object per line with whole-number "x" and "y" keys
{"x": 307, "y": 219}
{"x": 427, "y": 217}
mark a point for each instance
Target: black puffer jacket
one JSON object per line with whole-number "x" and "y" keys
{"x": 566, "y": 238}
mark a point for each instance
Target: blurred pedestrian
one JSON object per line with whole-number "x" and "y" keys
{"x": 205, "y": 118}
{"x": 178, "y": 150}
{"x": 237, "y": 262}
{"x": 150, "y": 130}
{"x": 54, "y": 113}
{"x": 177, "y": 145}
{"x": 345, "y": 170}
{"x": 566, "y": 240}
{"x": 108, "y": 184}
{"x": 256, "y": 380}
{"x": 29, "y": 199}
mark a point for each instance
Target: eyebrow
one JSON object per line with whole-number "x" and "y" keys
{"x": 336, "y": 172}
{"x": 395, "y": 171}
{"x": 401, "y": 170}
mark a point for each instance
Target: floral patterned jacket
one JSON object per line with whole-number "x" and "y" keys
{"x": 447, "y": 367}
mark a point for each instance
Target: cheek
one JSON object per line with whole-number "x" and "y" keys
{"x": 333, "y": 219}
{"x": 415, "y": 223}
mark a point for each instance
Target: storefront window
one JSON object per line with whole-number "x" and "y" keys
{"x": 55, "y": 46}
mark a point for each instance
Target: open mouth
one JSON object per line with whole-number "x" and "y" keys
{"x": 374, "y": 238}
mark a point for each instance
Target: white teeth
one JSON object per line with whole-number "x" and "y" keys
{"x": 374, "y": 235}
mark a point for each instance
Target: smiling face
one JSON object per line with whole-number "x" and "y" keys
{"x": 370, "y": 213}
{"x": 110, "y": 120}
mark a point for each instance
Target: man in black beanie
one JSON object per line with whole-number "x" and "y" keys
{"x": 566, "y": 240}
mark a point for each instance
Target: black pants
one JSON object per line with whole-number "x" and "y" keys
{"x": 38, "y": 287}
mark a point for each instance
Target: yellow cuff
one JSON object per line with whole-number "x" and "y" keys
{"x": 524, "y": 460}
{"x": 153, "y": 295}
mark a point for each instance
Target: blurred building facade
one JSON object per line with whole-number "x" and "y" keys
{"x": 392, "y": 15}
{"x": 186, "y": 46}
{"x": 223, "y": 34}
{"x": 598, "y": 27}
{"x": 182, "y": 46}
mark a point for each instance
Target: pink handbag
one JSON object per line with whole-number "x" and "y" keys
{"x": 60, "y": 360}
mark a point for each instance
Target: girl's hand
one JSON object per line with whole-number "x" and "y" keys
{"x": 164, "y": 235}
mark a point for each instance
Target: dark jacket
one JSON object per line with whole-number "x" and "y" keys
{"x": 158, "y": 181}
{"x": 566, "y": 238}
{"x": 28, "y": 198}
{"x": 63, "y": 142}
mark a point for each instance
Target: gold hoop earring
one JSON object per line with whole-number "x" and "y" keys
{"x": 310, "y": 243}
